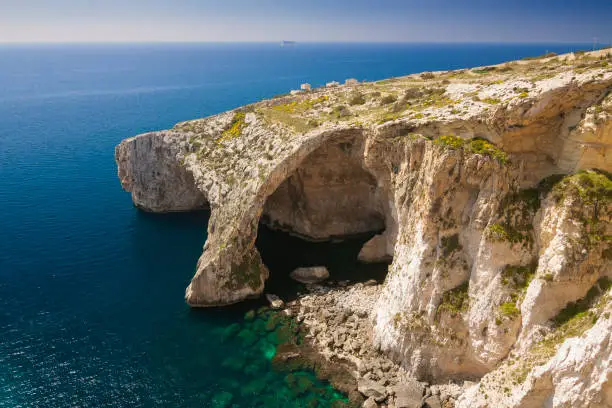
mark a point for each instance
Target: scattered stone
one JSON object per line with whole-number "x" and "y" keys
{"x": 313, "y": 274}
{"x": 372, "y": 389}
{"x": 275, "y": 302}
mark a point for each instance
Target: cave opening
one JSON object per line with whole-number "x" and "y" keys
{"x": 322, "y": 215}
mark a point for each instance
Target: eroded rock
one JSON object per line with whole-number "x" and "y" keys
{"x": 314, "y": 274}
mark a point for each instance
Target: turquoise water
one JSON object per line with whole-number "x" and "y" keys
{"x": 91, "y": 290}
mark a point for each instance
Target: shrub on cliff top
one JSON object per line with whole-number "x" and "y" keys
{"x": 475, "y": 146}
{"x": 428, "y": 75}
{"x": 450, "y": 141}
{"x": 357, "y": 99}
{"x": 549, "y": 55}
{"x": 484, "y": 70}
{"x": 388, "y": 99}
{"x": 486, "y": 148}
{"x": 235, "y": 129}
{"x": 593, "y": 186}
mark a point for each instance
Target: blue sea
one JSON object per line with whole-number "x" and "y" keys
{"x": 91, "y": 289}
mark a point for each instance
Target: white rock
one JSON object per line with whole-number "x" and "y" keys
{"x": 275, "y": 301}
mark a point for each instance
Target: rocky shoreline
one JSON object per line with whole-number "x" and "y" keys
{"x": 336, "y": 321}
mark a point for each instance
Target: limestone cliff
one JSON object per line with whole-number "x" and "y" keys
{"x": 488, "y": 188}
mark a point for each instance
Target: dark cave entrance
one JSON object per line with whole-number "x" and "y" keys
{"x": 282, "y": 252}
{"x": 322, "y": 215}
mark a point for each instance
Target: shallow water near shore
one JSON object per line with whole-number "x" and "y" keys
{"x": 91, "y": 289}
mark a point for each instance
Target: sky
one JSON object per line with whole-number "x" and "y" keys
{"x": 306, "y": 20}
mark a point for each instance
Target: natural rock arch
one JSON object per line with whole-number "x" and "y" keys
{"x": 328, "y": 161}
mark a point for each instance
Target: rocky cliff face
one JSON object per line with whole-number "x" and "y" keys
{"x": 481, "y": 185}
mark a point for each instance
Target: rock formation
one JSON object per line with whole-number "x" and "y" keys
{"x": 489, "y": 191}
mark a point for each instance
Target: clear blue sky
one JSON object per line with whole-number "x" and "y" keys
{"x": 305, "y": 20}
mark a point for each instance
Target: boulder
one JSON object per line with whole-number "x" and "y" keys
{"x": 433, "y": 402}
{"x": 275, "y": 301}
{"x": 375, "y": 250}
{"x": 312, "y": 274}
{"x": 409, "y": 394}
{"x": 372, "y": 389}
{"x": 370, "y": 403}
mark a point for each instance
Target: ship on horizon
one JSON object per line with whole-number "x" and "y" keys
{"x": 285, "y": 42}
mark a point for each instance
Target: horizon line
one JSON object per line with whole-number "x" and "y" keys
{"x": 297, "y": 42}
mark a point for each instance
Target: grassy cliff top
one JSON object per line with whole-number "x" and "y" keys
{"x": 452, "y": 95}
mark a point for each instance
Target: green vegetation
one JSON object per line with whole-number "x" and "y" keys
{"x": 549, "y": 55}
{"x": 486, "y": 148}
{"x": 573, "y": 321}
{"x": 300, "y": 106}
{"x": 593, "y": 187}
{"x": 576, "y": 318}
{"x": 235, "y": 129}
{"x": 528, "y": 199}
{"x": 491, "y": 101}
{"x": 357, "y": 98}
{"x": 293, "y": 115}
{"x": 576, "y": 309}
{"x": 388, "y": 99}
{"x": 341, "y": 111}
{"x": 389, "y": 117}
{"x": 504, "y": 232}
{"x": 427, "y": 75}
{"x": 517, "y": 210}
{"x": 450, "y": 141}
{"x": 437, "y": 99}
{"x": 509, "y": 309}
{"x": 546, "y": 185}
{"x": 474, "y": 146}
{"x": 485, "y": 70}
{"x": 298, "y": 123}
{"x": 455, "y": 300}
{"x": 518, "y": 277}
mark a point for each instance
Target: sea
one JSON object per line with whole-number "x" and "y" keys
{"x": 92, "y": 312}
